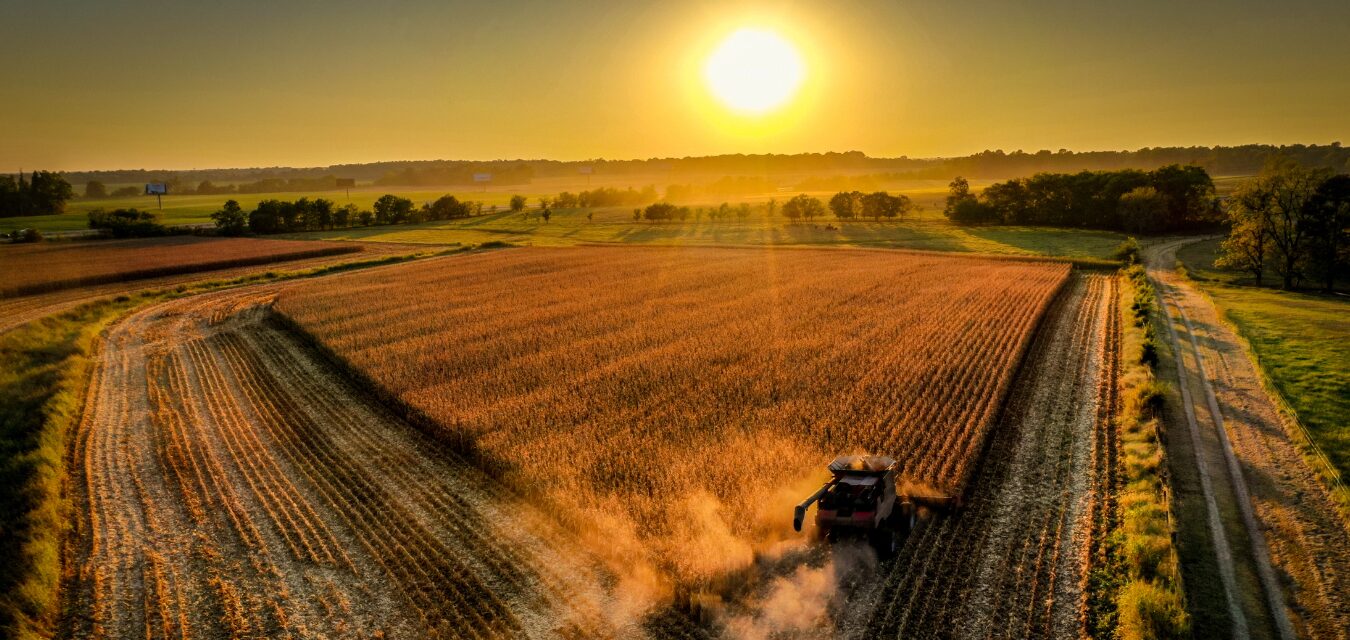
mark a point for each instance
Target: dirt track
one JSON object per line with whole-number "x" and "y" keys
{"x": 1012, "y": 563}
{"x": 228, "y": 484}
{"x": 1298, "y": 548}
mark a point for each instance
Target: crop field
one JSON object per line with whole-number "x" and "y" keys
{"x": 665, "y": 394}
{"x": 559, "y": 442}
{"x": 46, "y": 267}
{"x": 20, "y": 310}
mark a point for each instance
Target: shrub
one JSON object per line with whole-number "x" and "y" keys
{"x": 1128, "y": 251}
{"x": 127, "y": 223}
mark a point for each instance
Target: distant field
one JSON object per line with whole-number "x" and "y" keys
{"x": 1301, "y": 339}
{"x": 196, "y": 209}
{"x": 45, "y": 267}
{"x": 927, "y": 230}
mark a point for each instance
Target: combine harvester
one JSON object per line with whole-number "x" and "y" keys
{"x": 862, "y": 501}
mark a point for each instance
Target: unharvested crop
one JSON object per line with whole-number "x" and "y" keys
{"x": 677, "y": 400}
{"x": 39, "y": 268}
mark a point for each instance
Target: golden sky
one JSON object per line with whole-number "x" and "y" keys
{"x": 158, "y": 84}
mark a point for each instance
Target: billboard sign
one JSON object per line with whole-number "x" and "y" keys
{"x": 587, "y": 170}
{"x": 346, "y": 183}
{"x": 156, "y": 189}
{"x": 482, "y": 177}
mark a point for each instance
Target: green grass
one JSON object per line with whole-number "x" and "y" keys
{"x": 1302, "y": 341}
{"x": 44, "y": 369}
{"x": 927, "y": 231}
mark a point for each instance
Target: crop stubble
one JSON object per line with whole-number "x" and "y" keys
{"x": 230, "y": 485}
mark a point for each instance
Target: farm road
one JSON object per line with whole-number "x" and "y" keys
{"x": 1012, "y": 563}
{"x": 1281, "y": 550}
{"x": 226, "y": 482}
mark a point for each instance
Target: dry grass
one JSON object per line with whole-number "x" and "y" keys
{"x": 39, "y": 268}
{"x": 677, "y": 401}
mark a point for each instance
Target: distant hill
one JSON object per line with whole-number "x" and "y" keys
{"x": 1240, "y": 160}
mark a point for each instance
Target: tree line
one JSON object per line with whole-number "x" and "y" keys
{"x": 993, "y": 164}
{"x": 41, "y": 193}
{"x": 177, "y": 186}
{"x": 320, "y": 214}
{"x": 605, "y": 197}
{"x": 1167, "y": 199}
{"x": 1292, "y": 220}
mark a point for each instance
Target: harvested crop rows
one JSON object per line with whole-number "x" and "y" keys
{"x": 1014, "y": 562}
{"x": 227, "y": 484}
{"x": 678, "y": 400}
{"x": 47, "y": 267}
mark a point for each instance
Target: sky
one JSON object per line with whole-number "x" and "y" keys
{"x": 181, "y": 85}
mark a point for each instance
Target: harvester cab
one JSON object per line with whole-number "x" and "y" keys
{"x": 860, "y": 501}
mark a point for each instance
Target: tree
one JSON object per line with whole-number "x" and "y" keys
{"x": 1280, "y": 197}
{"x": 271, "y": 216}
{"x": 320, "y": 214}
{"x": 126, "y": 192}
{"x": 48, "y": 192}
{"x": 1328, "y": 218}
{"x": 958, "y": 192}
{"x": 448, "y": 207}
{"x": 742, "y": 211}
{"x": 1143, "y": 210}
{"x": 846, "y": 204}
{"x": 803, "y": 206}
{"x": 1188, "y": 192}
{"x": 1012, "y": 201}
{"x": 1246, "y": 247}
{"x": 231, "y": 220}
{"x": 546, "y": 214}
{"x": 773, "y": 206}
{"x": 391, "y": 209}
{"x": 41, "y": 193}
{"x": 95, "y": 189}
{"x": 544, "y": 203}
{"x": 659, "y": 211}
{"x": 971, "y": 211}
{"x": 880, "y": 205}
{"x": 517, "y": 204}
{"x": 345, "y": 215}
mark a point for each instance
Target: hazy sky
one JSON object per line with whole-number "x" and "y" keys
{"x": 159, "y": 84}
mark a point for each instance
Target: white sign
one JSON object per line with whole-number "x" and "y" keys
{"x": 156, "y": 188}
{"x": 482, "y": 177}
{"x": 587, "y": 170}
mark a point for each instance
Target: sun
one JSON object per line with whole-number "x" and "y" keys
{"x": 754, "y": 71}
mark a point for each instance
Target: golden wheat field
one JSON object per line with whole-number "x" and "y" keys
{"x": 39, "y": 268}
{"x": 680, "y": 400}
